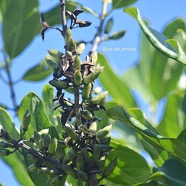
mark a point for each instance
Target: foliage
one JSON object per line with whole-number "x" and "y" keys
{"x": 65, "y": 139}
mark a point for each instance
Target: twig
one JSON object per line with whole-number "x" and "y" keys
{"x": 11, "y": 84}
{"x": 63, "y": 16}
{"x": 97, "y": 37}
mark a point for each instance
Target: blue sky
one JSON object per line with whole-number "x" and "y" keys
{"x": 158, "y": 13}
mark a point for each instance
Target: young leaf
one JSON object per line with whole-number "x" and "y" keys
{"x": 121, "y": 3}
{"x": 108, "y": 25}
{"x": 117, "y": 35}
{"x": 38, "y": 72}
{"x": 158, "y": 40}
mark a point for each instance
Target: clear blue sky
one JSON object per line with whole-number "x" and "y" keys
{"x": 158, "y": 13}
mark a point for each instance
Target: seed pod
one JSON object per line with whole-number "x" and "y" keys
{"x": 56, "y": 54}
{"x": 94, "y": 57}
{"x": 96, "y": 154}
{"x": 71, "y": 132}
{"x": 53, "y": 180}
{"x": 82, "y": 176}
{"x": 4, "y": 152}
{"x": 52, "y": 146}
{"x": 32, "y": 167}
{"x": 93, "y": 126}
{"x": 69, "y": 170}
{"x": 80, "y": 48}
{"x": 77, "y": 78}
{"x": 80, "y": 164}
{"x": 86, "y": 90}
{"x": 69, "y": 156}
{"x": 77, "y": 63}
{"x": 99, "y": 98}
{"x": 104, "y": 131}
{"x": 4, "y": 144}
{"x": 46, "y": 140}
{"x": 6, "y": 135}
{"x": 110, "y": 168}
{"x": 72, "y": 45}
{"x": 86, "y": 114}
{"x": 85, "y": 155}
{"x": 91, "y": 77}
{"x": 68, "y": 36}
{"x": 51, "y": 62}
{"x": 26, "y": 120}
{"x": 58, "y": 84}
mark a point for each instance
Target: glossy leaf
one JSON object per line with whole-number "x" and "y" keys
{"x": 48, "y": 95}
{"x": 38, "y": 72}
{"x": 18, "y": 31}
{"x": 173, "y": 146}
{"x": 174, "y": 120}
{"x": 39, "y": 119}
{"x": 15, "y": 160}
{"x": 121, "y": 3}
{"x": 155, "y": 71}
{"x": 157, "y": 39}
{"x": 108, "y": 25}
{"x": 89, "y": 10}
{"x": 184, "y": 104}
{"x": 117, "y": 35}
{"x": 172, "y": 172}
{"x": 131, "y": 167}
{"x": 111, "y": 82}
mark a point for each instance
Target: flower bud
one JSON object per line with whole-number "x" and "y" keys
{"x": 5, "y": 135}
{"x": 58, "y": 84}
{"x": 69, "y": 156}
{"x": 80, "y": 164}
{"x": 71, "y": 132}
{"x": 94, "y": 57}
{"x": 52, "y": 146}
{"x": 77, "y": 78}
{"x": 96, "y": 154}
{"x": 72, "y": 45}
{"x": 91, "y": 77}
{"x": 77, "y": 63}
{"x": 104, "y": 131}
{"x": 110, "y": 168}
{"x": 93, "y": 126}
{"x": 86, "y": 114}
{"x": 4, "y": 152}
{"x": 80, "y": 48}
{"x": 56, "y": 55}
{"x": 68, "y": 36}
{"x": 85, "y": 155}
{"x": 99, "y": 98}
{"x": 51, "y": 62}
{"x": 86, "y": 90}
{"x": 26, "y": 120}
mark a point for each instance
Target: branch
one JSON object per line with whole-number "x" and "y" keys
{"x": 11, "y": 84}
{"x": 97, "y": 37}
{"x": 63, "y": 16}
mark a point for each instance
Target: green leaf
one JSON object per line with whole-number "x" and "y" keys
{"x": 172, "y": 172}
{"x": 155, "y": 71}
{"x": 174, "y": 146}
{"x": 39, "y": 119}
{"x": 174, "y": 120}
{"x": 121, "y": 3}
{"x": 18, "y": 31}
{"x": 15, "y": 160}
{"x": 131, "y": 167}
{"x": 108, "y": 25}
{"x": 38, "y": 72}
{"x": 157, "y": 39}
{"x": 7, "y": 123}
{"x": 184, "y": 104}
{"x": 48, "y": 95}
{"x": 111, "y": 82}
{"x": 89, "y": 10}
{"x": 117, "y": 35}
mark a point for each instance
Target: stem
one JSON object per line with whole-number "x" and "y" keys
{"x": 11, "y": 85}
{"x": 92, "y": 180}
{"x": 97, "y": 37}
{"x": 63, "y": 16}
